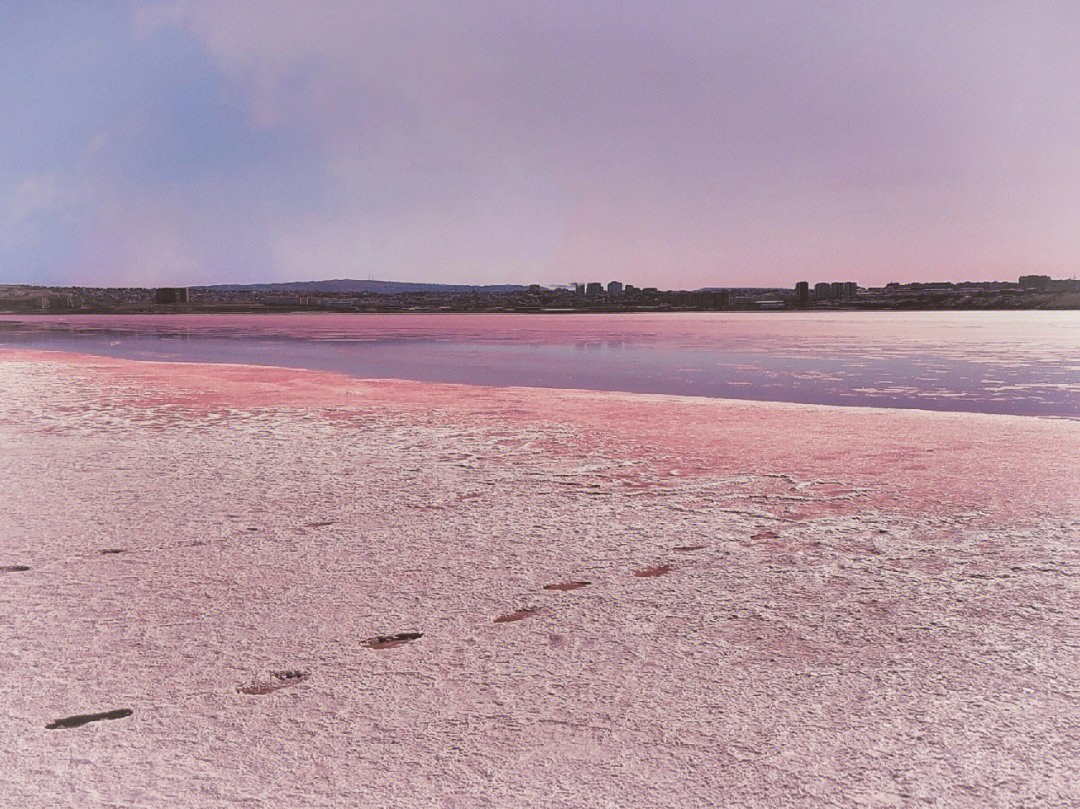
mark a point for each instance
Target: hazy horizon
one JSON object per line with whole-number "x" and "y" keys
{"x": 437, "y": 283}
{"x": 674, "y": 145}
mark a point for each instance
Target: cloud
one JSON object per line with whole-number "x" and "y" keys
{"x": 30, "y": 196}
{"x": 682, "y": 144}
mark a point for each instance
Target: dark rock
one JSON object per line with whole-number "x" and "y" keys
{"x": 82, "y": 719}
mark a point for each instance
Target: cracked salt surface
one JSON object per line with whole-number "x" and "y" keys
{"x": 868, "y": 632}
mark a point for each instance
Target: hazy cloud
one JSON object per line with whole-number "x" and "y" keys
{"x": 680, "y": 144}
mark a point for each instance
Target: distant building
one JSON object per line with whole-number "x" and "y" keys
{"x": 630, "y": 289}
{"x": 288, "y": 301}
{"x": 802, "y": 293}
{"x": 594, "y": 289}
{"x": 614, "y": 289}
{"x": 170, "y": 295}
{"x": 1035, "y": 281}
{"x": 715, "y": 298}
{"x": 836, "y": 288}
{"x": 579, "y": 289}
{"x": 1064, "y": 285}
{"x": 704, "y": 299}
{"x": 822, "y": 291}
{"x": 850, "y": 289}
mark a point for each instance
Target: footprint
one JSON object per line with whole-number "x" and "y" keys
{"x": 82, "y": 719}
{"x": 655, "y": 570}
{"x": 563, "y": 586}
{"x": 690, "y": 547}
{"x": 107, "y": 551}
{"x": 516, "y": 616}
{"x": 390, "y": 641}
{"x": 276, "y": 680}
{"x": 14, "y": 568}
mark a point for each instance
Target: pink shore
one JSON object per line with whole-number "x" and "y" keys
{"x": 290, "y": 588}
{"x": 915, "y": 460}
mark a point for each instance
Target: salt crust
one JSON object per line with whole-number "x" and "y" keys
{"x": 884, "y": 611}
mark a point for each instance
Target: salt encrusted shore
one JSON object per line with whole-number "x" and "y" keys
{"x": 310, "y": 590}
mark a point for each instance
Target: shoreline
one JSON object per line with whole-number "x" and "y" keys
{"x": 973, "y": 453}
{"x": 302, "y": 589}
{"x": 1009, "y": 365}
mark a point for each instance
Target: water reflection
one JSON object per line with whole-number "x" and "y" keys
{"x": 997, "y": 362}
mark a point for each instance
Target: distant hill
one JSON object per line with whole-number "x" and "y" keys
{"x": 375, "y": 287}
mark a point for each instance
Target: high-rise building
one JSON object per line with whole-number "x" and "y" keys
{"x": 802, "y": 293}
{"x": 1035, "y": 281}
{"x": 614, "y": 289}
{"x": 594, "y": 289}
{"x": 822, "y": 291}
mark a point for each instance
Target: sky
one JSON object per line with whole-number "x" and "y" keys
{"x": 672, "y": 144}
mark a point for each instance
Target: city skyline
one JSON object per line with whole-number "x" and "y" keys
{"x": 678, "y": 146}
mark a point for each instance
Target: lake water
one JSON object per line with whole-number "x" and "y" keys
{"x": 1025, "y": 363}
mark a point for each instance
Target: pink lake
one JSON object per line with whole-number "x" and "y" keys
{"x": 1021, "y": 363}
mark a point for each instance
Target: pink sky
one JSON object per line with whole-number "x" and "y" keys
{"x": 672, "y": 144}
